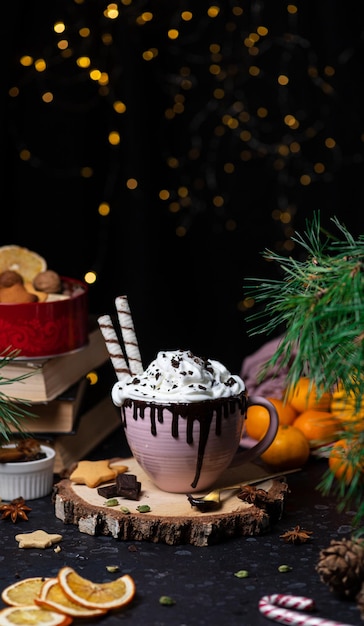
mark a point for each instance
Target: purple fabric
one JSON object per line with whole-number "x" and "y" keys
{"x": 272, "y": 385}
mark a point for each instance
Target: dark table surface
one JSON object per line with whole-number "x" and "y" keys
{"x": 200, "y": 580}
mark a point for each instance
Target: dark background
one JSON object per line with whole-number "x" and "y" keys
{"x": 205, "y": 120}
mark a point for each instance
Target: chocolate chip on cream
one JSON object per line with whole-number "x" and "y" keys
{"x": 179, "y": 376}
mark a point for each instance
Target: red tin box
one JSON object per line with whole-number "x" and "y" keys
{"x": 47, "y": 329}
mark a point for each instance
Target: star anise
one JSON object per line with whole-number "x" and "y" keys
{"x": 250, "y": 494}
{"x": 14, "y": 510}
{"x": 296, "y": 535}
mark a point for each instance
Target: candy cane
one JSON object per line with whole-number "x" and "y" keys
{"x": 129, "y": 336}
{"x": 268, "y": 607}
{"x": 113, "y": 347}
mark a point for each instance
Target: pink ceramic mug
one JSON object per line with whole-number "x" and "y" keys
{"x": 186, "y": 447}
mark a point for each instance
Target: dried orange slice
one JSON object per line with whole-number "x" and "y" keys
{"x": 30, "y": 614}
{"x": 52, "y": 597}
{"x": 26, "y": 262}
{"x": 23, "y": 591}
{"x": 110, "y": 595}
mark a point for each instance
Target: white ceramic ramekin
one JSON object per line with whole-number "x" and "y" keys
{"x": 30, "y": 479}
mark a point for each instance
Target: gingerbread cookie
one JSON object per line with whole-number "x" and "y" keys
{"x": 12, "y": 289}
{"x": 37, "y": 539}
{"x": 94, "y": 473}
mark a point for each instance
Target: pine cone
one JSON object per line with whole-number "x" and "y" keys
{"x": 341, "y": 566}
{"x": 360, "y": 601}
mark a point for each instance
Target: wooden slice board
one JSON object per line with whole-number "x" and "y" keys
{"x": 172, "y": 519}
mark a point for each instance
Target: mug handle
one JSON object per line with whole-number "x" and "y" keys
{"x": 252, "y": 453}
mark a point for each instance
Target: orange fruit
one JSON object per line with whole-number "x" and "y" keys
{"x": 286, "y": 412}
{"x": 257, "y": 417}
{"x": 344, "y": 407}
{"x": 93, "y": 595}
{"x": 341, "y": 461}
{"x": 288, "y": 450}
{"x": 52, "y": 597}
{"x": 257, "y": 420}
{"x": 304, "y": 395}
{"x": 22, "y": 591}
{"x": 32, "y": 615}
{"x": 319, "y": 427}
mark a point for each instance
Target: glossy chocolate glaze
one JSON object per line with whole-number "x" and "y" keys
{"x": 202, "y": 412}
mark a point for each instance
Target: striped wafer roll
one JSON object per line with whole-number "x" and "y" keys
{"x": 129, "y": 336}
{"x": 113, "y": 347}
{"x": 270, "y": 607}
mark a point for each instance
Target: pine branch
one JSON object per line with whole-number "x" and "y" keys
{"x": 13, "y": 411}
{"x": 319, "y": 302}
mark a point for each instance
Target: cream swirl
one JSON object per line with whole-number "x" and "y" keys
{"x": 177, "y": 377}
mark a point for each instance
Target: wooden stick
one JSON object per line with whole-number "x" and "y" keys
{"x": 129, "y": 336}
{"x": 113, "y": 347}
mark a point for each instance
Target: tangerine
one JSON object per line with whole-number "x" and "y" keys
{"x": 286, "y": 412}
{"x": 319, "y": 427}
{"x": 257, "y": 422}
{"x": 288, "y": 450}
{"x": 342, "y": 462}
{"x": 304, "y": 395}
{"x": 344, "y": 407}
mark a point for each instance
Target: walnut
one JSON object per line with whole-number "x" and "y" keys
{"x": 48, "y": 281}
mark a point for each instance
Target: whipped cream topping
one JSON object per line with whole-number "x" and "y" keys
{"x": 179, "y": 376}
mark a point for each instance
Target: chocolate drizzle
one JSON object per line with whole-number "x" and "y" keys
{"x": 202, "y": 412}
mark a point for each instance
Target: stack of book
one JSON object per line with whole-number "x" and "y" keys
{"x": 69, "y": 397}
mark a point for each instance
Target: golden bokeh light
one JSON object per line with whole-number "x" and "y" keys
{"x": 132, "y": 183}
{"x": 90, "y": 278}
{"x": 229, "y": 104}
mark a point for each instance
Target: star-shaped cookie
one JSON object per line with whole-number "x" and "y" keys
{"x": 94, "y": 473}
{"x": 37, "y": 539}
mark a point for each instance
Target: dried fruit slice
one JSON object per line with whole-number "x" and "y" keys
{"x": 30, "y": 614}
{"x": 26, "y": 262}
{"x": 23, "y": 591}
{"x": 52, "y": 597}
{"x": 110, "y": 595}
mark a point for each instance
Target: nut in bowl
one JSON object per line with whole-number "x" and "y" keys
{"x": 183, "y": 415}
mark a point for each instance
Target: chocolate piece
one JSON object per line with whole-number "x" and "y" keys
{"x": 108, "y": 491}
{"x": 128, "y": 486}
